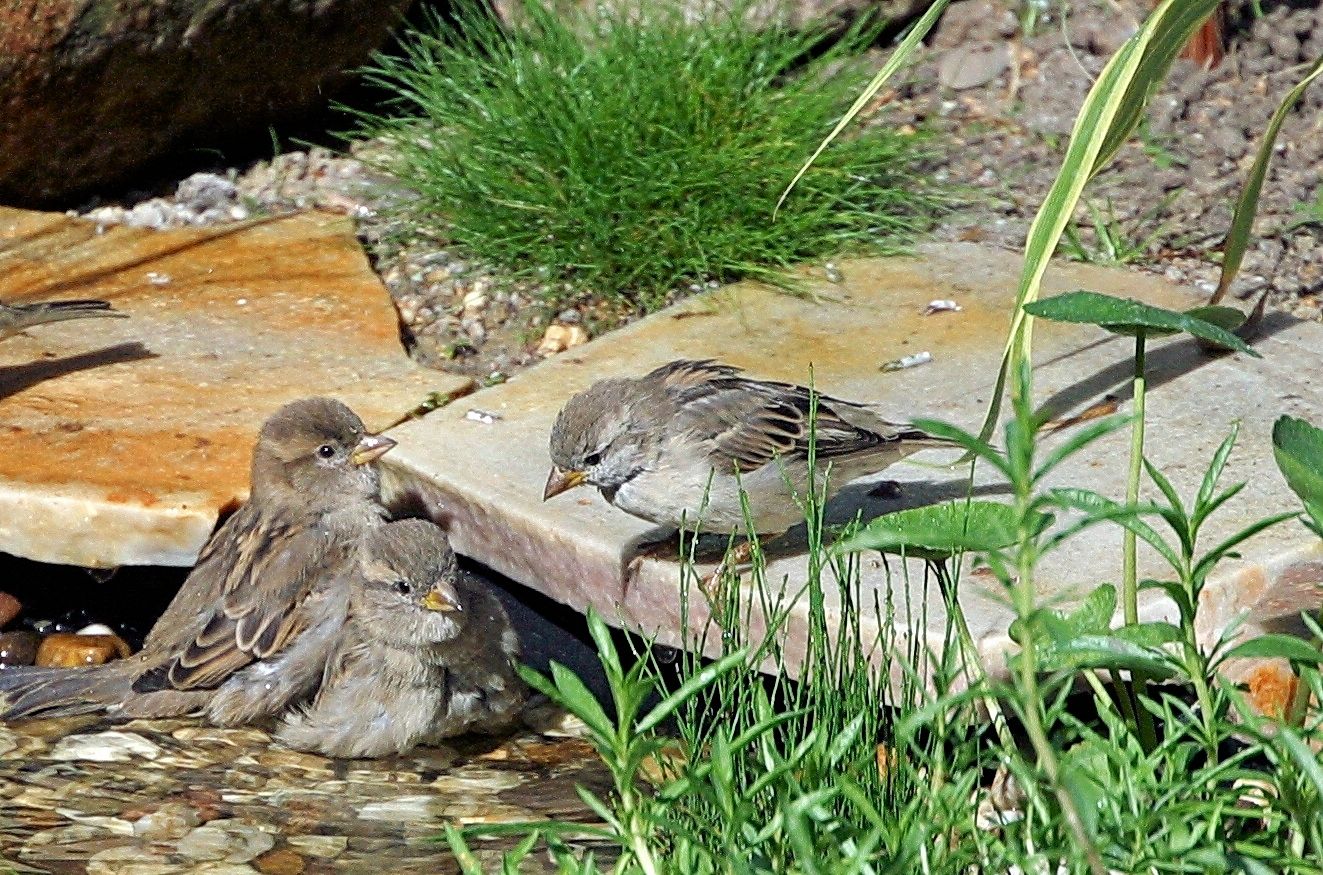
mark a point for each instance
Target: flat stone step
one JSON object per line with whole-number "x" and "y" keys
{"x": 122, "y": 439}
{"x": 483, "y": 475}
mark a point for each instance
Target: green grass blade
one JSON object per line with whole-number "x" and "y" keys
{"x": 898, "y": 59}
{"x": 1242, "y": 221}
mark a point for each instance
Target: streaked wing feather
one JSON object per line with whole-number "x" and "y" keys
{"x": 259, "y": 612}
{"x": 748, "y": 423}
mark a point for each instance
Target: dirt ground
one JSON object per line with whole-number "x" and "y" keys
{"x": 999, "y": 104}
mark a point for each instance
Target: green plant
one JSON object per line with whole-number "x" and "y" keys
{"x": 1116, "y": 242}
{"x": 631, "y": 153}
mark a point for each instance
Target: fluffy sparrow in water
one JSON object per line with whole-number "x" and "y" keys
{"x": 17, "y": 317}
{"x": 427, "y": 653}
{"x": 668, "y": 446}
{"x": 251, "y": 627}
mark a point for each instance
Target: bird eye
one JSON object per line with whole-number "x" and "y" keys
{"x": 326, "y": 451}
{"x": 402, "y": 587}
{"x": 592, "y": 459}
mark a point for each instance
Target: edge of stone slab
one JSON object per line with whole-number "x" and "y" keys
{"x": 76, "y": 529}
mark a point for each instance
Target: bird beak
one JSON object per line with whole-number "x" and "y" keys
{"x": 559, "y": 481}
{"x": 371, "y": 448}
{"x": 435, "y": 600}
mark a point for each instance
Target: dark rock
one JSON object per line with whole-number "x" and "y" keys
{"x": 91, "y": 90}
{"x": 18, "y": 648}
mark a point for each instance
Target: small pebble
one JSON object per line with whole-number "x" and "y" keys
{"x": 280, "y": 862}
{"x": 559, "y": 338}
{"x": 9, "y": 608}
{"x": 18, "y": 648}
{"x": 909, "y": 361}
{"x": 482, "y": 416}
{"x": 96, "y": 629}
{"x": 833, "y": 272}
{"x": 171, "y": 821}
{"x": 944, "y": 305}
{"x": 65, "y": 650}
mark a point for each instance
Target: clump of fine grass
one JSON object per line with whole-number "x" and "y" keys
{"x": 623, "y": 153}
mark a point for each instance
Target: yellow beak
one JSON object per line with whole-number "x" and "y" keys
{"x": 371, "y": 448}
{"x": 559, "y": 481}
{"x": 435, "y": 600}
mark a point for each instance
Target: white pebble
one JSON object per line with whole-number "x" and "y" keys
{"x": 909, "y": 361}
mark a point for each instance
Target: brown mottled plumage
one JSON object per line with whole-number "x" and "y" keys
{"x": 427, "y": 653}
{"x": 680, "y": 443}
{"x": 249, "y": 630}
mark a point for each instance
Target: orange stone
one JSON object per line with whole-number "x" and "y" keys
{"x": 280, "y": 862}
{"x": 67, "y": 650}
{"x": 9, "y": 608}
{"x": 125, "y": 438}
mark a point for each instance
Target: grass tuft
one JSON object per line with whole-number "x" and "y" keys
{"x": 632, "y": 153}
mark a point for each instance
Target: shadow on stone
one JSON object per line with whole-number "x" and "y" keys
{"x": 1164, "y": 364}
{"x": 17, "y": 378}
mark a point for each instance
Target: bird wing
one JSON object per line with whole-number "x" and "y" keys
{"x": 274, "y": 569}
{"x": 748, "y": 423}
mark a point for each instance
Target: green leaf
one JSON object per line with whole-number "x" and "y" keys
{"x": 1275, "y": 645}
{"x": 1216, "y": 467}
{"x": 939, "y": 531}
{"x": 1226, "y": 318}
{"x": 696, "y": 683}
{"x": 1152, "y": 634}
{"x": 1100, "y": 507}
{"x": 1242, "y": 221}
{"x": 571, "y": 694}
{"x": 1130, "y": 317}
{"x": 1104, "y": 652}
{"x": 1304, "y": 757}
{"x": 1298, "y": 448}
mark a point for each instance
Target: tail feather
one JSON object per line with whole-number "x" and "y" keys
{"x": 28, "y": 315}
{"x": 61, "y": 692}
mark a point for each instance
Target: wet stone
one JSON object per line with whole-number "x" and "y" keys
{"x": 18, "y": 648}
{"x": 9, "y": 608}
{"x": 230, "y": 840}
{"x": 130, "y": 861}
{"x": 170, "y": 821}
{"x": 325, "y": 847}
{"x": 280, "y": 862}
{"x": 71, "y": 650}
{"x": 105, "y": 747}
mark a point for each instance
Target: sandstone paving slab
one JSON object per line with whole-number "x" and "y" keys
{"x": 121, "y": 440}
{"x": 483, "y": 475}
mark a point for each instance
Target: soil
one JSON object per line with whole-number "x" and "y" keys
{"x": 1000, "y": 104}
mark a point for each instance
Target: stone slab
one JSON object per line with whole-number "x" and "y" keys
{"x": 122, "y": 439}
{"x": 485, "y": 478}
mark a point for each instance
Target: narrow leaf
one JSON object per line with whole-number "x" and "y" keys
{"x": 1275, "y": 645}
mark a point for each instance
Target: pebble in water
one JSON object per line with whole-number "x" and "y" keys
{"x": 68, "y": 650}
{"x": 9, "y": 608}
{"x": 18, "y": 648}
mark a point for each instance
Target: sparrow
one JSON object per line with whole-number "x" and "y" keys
{"x": 426, "y": 654}
{"x": 676, "y": 446}
{"x": 17, "y": 317}
{"x": 252, "y": 626}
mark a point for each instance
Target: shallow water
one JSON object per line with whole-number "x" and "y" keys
{"x": 83, "y": 795}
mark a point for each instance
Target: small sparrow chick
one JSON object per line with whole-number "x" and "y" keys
{"x": 427, "y": 653}
{"x": 17, "y": 317}
{"x": 652, "y": 446}
{"x": 251, "y": 627}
